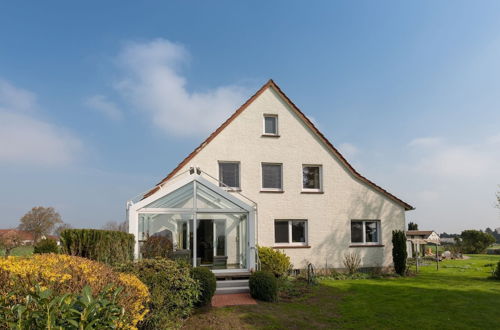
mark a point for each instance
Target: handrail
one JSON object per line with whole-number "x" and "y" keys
{"x": 258, "y": 264}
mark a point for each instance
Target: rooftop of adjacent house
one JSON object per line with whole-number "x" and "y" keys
{"x": 303, "y": 117}
{"x": 24, "y": 235}
{"x": 419, "y": 232}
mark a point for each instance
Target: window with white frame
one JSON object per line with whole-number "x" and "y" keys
{"x": 293, "y": 232}
{"x": 365, "y": 231}
{"x": 312, "y": 177}
{"x": 270, "y": 125}
{"x": 229, "y": 174}
{"x": 272, "y": 177}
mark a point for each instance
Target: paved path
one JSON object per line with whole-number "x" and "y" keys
{"x": 221, "y": 300}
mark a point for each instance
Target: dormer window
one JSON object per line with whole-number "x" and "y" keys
{"x": 270, "y": 125}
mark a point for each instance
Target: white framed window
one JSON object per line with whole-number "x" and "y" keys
{"x": 271, "y": 125}
{"x": 365, "y": 232}
{"x": 290, "y": 232}
{"x": 312, "y": 178}
{"x": 229, "y": 174}
{"x": 272, "y": 177}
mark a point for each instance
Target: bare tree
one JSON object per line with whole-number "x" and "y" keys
{"x": 40, "y": 221}
{"x": 59, "y": 229}
{"x": 116, "y": 226}
{"x": 9, "y": 241}
{"x": 498, "y": 198}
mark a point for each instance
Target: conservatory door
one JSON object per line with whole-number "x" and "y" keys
{"x": 205, "y": 242}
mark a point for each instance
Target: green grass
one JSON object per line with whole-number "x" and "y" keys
{"x": 19, "y": 251}
{"x": 494, "y": 247}
{"x": 458, "y": 296}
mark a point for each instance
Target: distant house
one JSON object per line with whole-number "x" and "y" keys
{"x": 418, "y": 239}
{"x": 27, "y": 237}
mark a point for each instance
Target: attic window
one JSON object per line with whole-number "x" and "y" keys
{"x": 271, "y": 125}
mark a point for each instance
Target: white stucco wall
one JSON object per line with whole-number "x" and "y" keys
{"x": 328, "y": 214}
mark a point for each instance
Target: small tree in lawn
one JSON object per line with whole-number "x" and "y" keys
{"x": 399, "y": 253}
{"x": 40, "y": 221}
{"x": 9, "y": 241}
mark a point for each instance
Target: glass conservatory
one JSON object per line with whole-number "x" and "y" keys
{"x": 195, "y": 220}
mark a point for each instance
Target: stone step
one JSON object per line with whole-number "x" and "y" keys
{"x": 237, "y": 289}
{"x": 232, "y": 283}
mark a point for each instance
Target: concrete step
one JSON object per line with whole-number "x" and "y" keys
{"x": 233, "y": 275}
{"x": 232, "y": 283}
{"x": 237, "y": 289}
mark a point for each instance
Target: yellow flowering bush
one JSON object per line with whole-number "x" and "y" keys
{"x": 69, "y": 274}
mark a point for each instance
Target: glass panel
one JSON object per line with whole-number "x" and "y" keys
{"x": 208, "y": 199}
{"x": 298, "y": 231}
{"x": 311, "y": 177}
{"x": 229, "y": 174}
{"x": 270, "y": 125}
{"x": 271, "y": 176}
{"x": 371, "y": 228}
{"x": 357, "y": 232}
{"x": 169, "y": 234}
{"x": 221, "y": 240}
{"x": 180, "y": 198}
{"x": 281, "y": 231}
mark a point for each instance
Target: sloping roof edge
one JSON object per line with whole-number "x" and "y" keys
{"x": 306, "y": 120}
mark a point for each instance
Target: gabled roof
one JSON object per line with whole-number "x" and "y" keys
{"x": 302, "y": 116}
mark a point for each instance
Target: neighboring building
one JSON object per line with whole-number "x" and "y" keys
{"x": 267, "y": 176}
{"x": 26, "y": 236}
{"x": 418, "y": 239}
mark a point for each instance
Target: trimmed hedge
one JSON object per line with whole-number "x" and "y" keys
{"x": 46, "y": 246}
{"x": 263, "y": 286}
{"x": 274, "y": 261}
{"x": 106, "y": 246}
{"x": 208, "y": 284}
{"x": 173, "y": 291}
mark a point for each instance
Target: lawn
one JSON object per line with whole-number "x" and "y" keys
{"x": 19, "y": 251}
{"x": 458, "y": 296}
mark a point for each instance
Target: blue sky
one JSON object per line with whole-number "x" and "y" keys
{"x": 100, "y": 100}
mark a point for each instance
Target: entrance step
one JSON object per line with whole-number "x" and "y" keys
{"x": 232, "y": 276}
{"x": 232, "y": 286}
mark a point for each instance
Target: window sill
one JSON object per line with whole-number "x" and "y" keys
{"x": 366, "y": 245}
{"x": 291, "y": 247}
{"x": 270, "y": 135}
{"x": 273, "y": 191}
{"x": 312, "y": 192}
{"x": 231, "y": 189}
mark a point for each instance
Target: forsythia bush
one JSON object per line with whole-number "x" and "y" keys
{"x": 274, "y": 261}
{"x": 63, "y": 274}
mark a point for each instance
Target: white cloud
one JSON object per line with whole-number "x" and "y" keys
{"x": 426, "y": 142}
{"x": 153, "y": 84}
{"x": 104, "y": 106}
{"x": 25, "y": 139}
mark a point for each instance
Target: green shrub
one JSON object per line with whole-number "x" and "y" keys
{"x": 208, "y": 284}
{"x": 496, "y": 272}
{"x": 105, "y": 246}
{"x": 63, "y": 274}
{"x": 46, "y": 246}
{"x": 172, "y": 289}
{"x": 157, "y": 246}
{"x": 263, "y": 286}
{"x": 399, "y": 254}
{"x": 43, "y": 309}
{"x": 274, "y": 261}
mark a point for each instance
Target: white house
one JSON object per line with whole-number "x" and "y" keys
{"x": 268, "y": 177}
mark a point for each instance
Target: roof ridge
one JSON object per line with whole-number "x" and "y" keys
{"x": 271, "y": 83}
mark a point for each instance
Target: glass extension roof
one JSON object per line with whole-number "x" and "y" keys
{"x": 184, "y": 198}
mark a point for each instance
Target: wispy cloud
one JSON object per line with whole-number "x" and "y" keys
{"x": 104, "y": 106}
{"x": 26, "y": 139}
{"x": 153, "y": 83}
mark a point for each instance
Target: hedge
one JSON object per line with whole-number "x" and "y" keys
{"x": 106, "y": 246}
{"x": 208, "y": 284}
{"x": 263, "y": 286}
